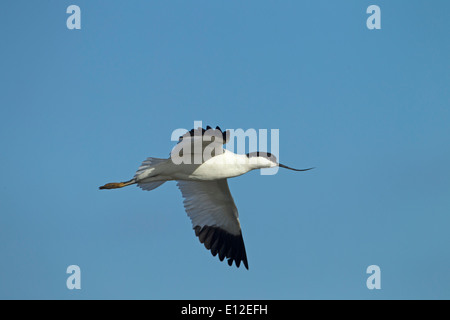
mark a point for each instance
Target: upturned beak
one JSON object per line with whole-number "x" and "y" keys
{"x": 286, "y": 167}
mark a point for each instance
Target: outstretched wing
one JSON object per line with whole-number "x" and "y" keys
{"x": 199, "y": 145}
{"x": 208, "y": 134}
{"x": 214, "y": 217}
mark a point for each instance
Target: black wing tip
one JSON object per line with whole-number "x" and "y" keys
{"x": 191, "y": 133}
{"x": 224, "y": 244}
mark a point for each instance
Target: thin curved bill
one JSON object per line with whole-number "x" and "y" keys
{"x": 286, "y": 167}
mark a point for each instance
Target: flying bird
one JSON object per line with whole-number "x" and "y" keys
{"x": 201, "y": 167}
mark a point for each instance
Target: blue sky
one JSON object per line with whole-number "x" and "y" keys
{"x": 370, "y": 109}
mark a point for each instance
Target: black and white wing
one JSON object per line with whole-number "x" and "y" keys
{"x": 198, "y": 145}
{"x": 209, "y": 134}
{"x": 215, "y": 219}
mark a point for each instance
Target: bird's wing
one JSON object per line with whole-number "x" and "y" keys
{"x": 214, "y": 217}
{"x": 209, "y": 134}
{"x": 199, "y": 145}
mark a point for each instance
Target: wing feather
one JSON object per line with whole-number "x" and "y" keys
{"x": 215, "y": 218}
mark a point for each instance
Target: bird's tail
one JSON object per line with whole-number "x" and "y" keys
{"x": 116, "y": 185}
{"x": 147, "y": 168}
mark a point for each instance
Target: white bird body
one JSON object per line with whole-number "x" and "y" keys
{"x": 223, "y": 166}
{"x": 208, "y": 201}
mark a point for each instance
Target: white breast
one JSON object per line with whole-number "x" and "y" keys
{"x": 226, "y": 165}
